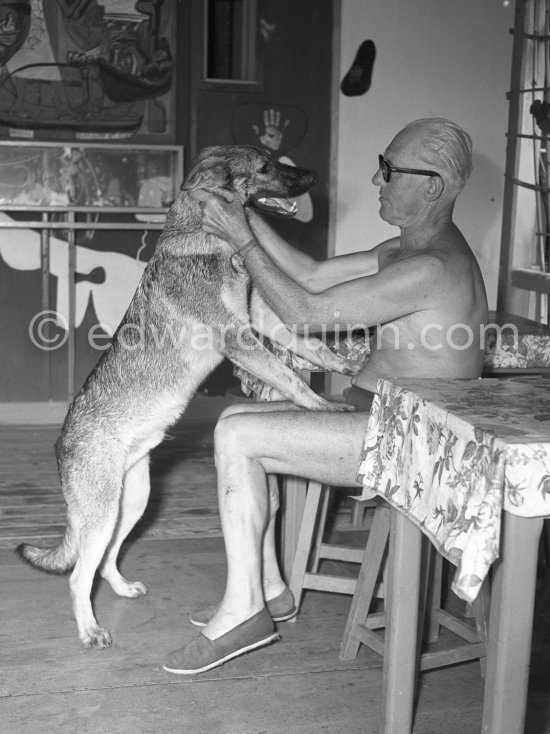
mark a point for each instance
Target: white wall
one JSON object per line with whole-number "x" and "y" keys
{"x": 435, "y": 58}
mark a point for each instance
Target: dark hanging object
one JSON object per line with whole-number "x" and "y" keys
{"x": 541, "y": 113}
{"x": 357, "y": 80}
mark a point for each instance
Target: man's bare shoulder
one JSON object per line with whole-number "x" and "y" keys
{"x": 396, "y": 260}
{"x": 447, "y": 253}
{"x": 387, "y": 251}
{"x": 448, "y": 243}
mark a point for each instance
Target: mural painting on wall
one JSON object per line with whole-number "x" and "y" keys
{"x": 279, "y": 129}
{"x": 105, "y": 281}
{"x": 87, "y": 70}
{"x": 94, "y": 71}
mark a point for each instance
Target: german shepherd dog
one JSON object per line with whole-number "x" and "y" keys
{"x": 192, "y": 291}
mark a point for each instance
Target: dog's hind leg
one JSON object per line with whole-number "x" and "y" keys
{"x": 94, "y": 539}
{"x": 135, "y": 494}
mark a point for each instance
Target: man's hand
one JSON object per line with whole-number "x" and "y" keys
{"x": 223, "y": 216}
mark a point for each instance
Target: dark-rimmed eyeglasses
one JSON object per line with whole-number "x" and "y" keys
{"x": 387, "y": 170}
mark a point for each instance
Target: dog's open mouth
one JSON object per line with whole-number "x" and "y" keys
{"x": 275, "y": 205}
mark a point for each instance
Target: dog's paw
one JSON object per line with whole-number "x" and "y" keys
{"x": 333, "y": 407}
{"x": 340, "y": 407}
{"x": 122, "y": 587}
{"x": 97, "y": 637}
{"x": 320, "y": 355}
{"x": 352, "y": 368}
{"x": 333, "y": 362}
{"x": 133, "y": 589}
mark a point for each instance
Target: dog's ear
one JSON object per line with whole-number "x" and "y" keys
{"x": 210, "y": 171}
{"x": 208, "y": 177}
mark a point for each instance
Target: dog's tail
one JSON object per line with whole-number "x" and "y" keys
{"x": 53, "y": 560}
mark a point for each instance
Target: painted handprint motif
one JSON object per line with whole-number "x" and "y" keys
{"x": 273, "y": 133}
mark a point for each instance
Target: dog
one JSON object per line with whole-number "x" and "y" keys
{"x": 192, "y": 291}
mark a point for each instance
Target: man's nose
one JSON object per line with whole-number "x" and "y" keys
{"x": 378, "y": 179}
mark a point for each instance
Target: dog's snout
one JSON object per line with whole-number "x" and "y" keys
{"x": 300, "y": 180}
{"x": 310, "y": 177}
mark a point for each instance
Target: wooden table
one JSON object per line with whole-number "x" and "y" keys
{"x": 462, "y": 462}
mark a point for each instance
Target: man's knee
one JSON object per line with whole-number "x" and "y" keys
{"x": 234, "y": 409}
{"x": 230, "y": 434}
{"x": 228, "y": 429}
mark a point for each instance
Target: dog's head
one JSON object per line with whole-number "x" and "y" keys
{"x": 254, "y": 175}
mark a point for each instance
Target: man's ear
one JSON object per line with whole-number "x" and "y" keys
{"x": 435, "y": 188}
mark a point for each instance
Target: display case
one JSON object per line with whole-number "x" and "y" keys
{"x": 89, "y": 176}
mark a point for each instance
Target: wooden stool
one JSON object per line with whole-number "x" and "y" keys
{"x": 360, "y": 624}
{"x": 310, "y": 544}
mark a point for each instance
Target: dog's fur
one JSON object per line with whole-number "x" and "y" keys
{"x": 190, "y": 291}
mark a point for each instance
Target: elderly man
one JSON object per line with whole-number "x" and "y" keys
{"x": 424, "y": 292}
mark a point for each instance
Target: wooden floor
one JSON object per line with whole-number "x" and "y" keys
{"x": 48, "y": 683}
{"x": 183, "y": 481}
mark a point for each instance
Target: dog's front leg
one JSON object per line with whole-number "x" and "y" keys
{"x": 243, "y": 348}
{"x": 267, "y": 323}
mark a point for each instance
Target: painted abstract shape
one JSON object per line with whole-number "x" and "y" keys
{"x": 110, "y": 293}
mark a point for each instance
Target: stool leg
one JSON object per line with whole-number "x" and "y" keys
{"x": 357, "y": 512}
{"x": 511, "y": 626}
{"x": 303, "y": 546}
{"x": 400, "y": 644}
{"x": 368, "y": 575}
{"x": 320, "y": 530}
{"x": 480, "y": 608}
{"x": 292, "y": 509}
{"x": 434, "y": 598}
{"x": 544, "y": 604}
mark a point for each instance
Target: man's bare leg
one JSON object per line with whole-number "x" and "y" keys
{"x": 272, "y": 582}
{"x": 325, "y": 447}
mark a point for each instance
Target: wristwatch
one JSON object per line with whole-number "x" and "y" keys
{"x": 239, "y": 256}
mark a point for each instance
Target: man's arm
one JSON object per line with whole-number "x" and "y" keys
{"x": 226, "y": 219}
{"x": 403, "y": 287}
{"x": 313, "y": 275}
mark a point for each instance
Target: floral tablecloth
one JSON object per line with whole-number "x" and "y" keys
{"x": 512, "y": 350}
{"x": 452, "y": 454}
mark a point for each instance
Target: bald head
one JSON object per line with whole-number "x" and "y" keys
{"x": 443, "y": 146}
